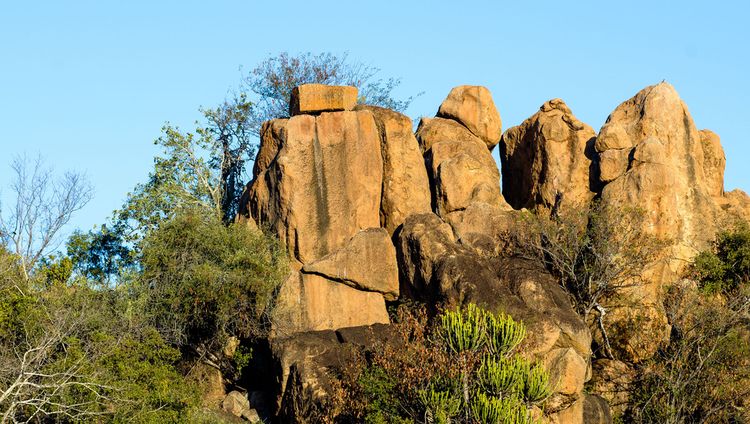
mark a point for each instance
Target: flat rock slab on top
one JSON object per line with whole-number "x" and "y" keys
{"x": 316, "y": 98}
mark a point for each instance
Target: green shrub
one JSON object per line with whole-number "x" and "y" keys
{"x": 726, "y": 266}
{"x": 206, "y": 281}
{"x": 80, "y": 358}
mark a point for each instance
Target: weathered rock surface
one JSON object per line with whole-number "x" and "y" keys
{"x": 324, "y": 184}
{"x": 596, "y": 410}
{"x": 316, "y": 98}
{"x": 548, "y": 159}
{"x": 612, "y": 380}
{"x": 340, "y": 187}
{"x": 236, "y": 403}
{"x": 312, "y": 302}
{"x": 654, "y": 158}
{"x": 473, "y": 107}
{"x": 435, "y": 267}
{"x": 664, "y": 169}
{"x": 406, "y": 188}
{"x": 367, "y": 262}
{"x": 305, "y": 363}
{"x": 459, "y": 164}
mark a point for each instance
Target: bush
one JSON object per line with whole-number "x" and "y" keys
{"x": 703, "y": 375}
{"x": 459, "y": 367}
{"x": 207, "y": 281}
{"x": 724, "y": 267}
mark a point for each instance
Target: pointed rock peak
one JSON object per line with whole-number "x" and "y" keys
{"x": 472, "y": 106}
{"x": 655, "y": 110}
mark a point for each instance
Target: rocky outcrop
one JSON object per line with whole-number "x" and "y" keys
{"x": 438, "y": 268}
{"x": 306, "y": 363}
{"x": 657, "y": 163}
{"x": 655, "y": 159}
{"x": 370, "y": 212}
{"x": 456, "y": 146}
{"x": 549, "y": 160}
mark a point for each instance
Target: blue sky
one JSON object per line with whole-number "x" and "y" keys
{"x": 89, "y": 84}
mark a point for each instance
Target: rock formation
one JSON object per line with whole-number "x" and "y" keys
{"x": 370, "y": 212}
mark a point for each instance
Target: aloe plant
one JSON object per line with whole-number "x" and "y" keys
{"x": 495, "y": 410}
{"x": 536, "y": 385}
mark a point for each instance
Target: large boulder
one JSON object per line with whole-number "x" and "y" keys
{"x": 323, "y": 185}
{"x": 655, "y": 159}
{"x": 658, "y": 163}
{"x": 436, "y": 267}
{"x": 548, "y": 160}
{"x": 473, "y": 107}
{"x": 406, "y": 188}
{"x": 318, "y": 183}
{"x": 313, "y": 302}
{"x": 367, "y": 262}
{"x": 306, "y": 363}
{"x": 459, "y": 163}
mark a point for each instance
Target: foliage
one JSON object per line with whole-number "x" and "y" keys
{"x": 445, "y": 371}
{"x": 726, "y": 266}
{"x": 100, "y": 255}
{"x": 596, "y": 252}
{"x": 703, "y": 375}
{"x": 69, "y": 354}
{"x": 207, "y": 281}
{"x": 273, "y": 79}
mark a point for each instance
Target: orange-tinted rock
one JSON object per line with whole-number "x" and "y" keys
{"x": 547, "y": 160}
{"x": 324, "y": 184}
{"x": 406, "y": 188}
{"x": 367, "y": 262}
{"x": 714, "y": 162}
{"x": 312, "y": 302}
{"x": 473, "y": 107}
{"x": 316, "y": 98}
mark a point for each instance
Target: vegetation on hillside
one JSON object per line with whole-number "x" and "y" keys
{"x": 703, "y": 375}
{"x": 463, "y": 366}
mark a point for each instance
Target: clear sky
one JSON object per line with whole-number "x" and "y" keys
{"x": 89, "y": 84}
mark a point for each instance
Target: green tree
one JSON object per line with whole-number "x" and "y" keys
{"x": 726, "y": 266}
{"x": 70, "y": 353}
{"x": 206, "y": 281}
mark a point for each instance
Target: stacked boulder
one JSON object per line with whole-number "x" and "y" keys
{"x": 326, "y": 184}
{"x": 370, "y": 212}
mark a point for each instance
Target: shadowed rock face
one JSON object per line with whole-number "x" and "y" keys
{"x": 549, "y": 159}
